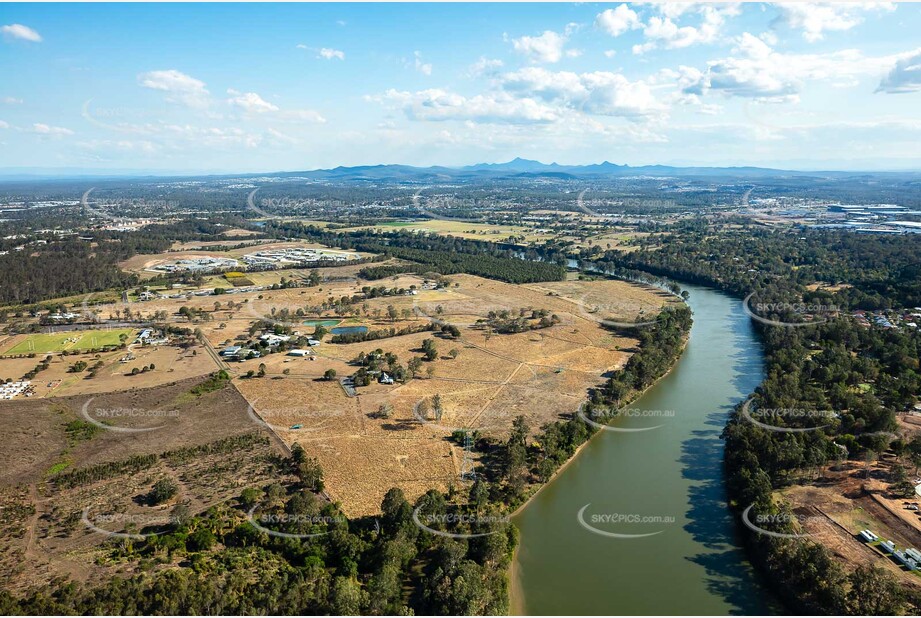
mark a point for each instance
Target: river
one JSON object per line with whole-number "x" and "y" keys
{"x": 666, "y": 483}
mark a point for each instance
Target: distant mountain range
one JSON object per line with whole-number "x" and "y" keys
{"x": 520, "y": 168}
{"x": 527, "y": 168}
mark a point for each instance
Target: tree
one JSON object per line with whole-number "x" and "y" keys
{"x": 453, "y": 353}
{"x": 395, "y": 508}
{"x": 180, "y": 515}
{"x": 163, "y": 490}
{"x": 250, "y": 497}
{"x": 874, "y": 592}
{"x": 201, "y": 540}
{"x": 413, "y": 366}
{"x": 261, "y": 373}
{"x": 422, "y": 408}
{"x": 347, "y": 598}
{"x": 310, "y": 473}
{"x": 274, "y": 494}
{"x": 329, "y": 375}
{"x": 479, "y": 493}
{"x": 430, "y": 352}
{"x": 437, "y": 407}
{"x": 900, "y": 485}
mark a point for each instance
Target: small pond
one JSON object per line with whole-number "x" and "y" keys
{"x": 349, "y": 330}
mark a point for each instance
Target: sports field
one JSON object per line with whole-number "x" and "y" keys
{"x": 71, "y": 340}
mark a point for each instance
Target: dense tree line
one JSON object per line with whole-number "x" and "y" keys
{"x": 849, "y": 378}
{"x": 445, "y": 255}
{"x": 521, "y": 462}
{"x": 61, "y": 269}
{"x": 659, "y": 348}
{"x": 877, "y": 271}
{"x": 137, "y": 463}
{"x": 385, "y": 565}
{"x": 383, "y": 333}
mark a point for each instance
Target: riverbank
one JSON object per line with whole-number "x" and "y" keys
{"x": 635, "y": 396}
{"x": 515, "y": 588}
{"x": 671, "y": 476}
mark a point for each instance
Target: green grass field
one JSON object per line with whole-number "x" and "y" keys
{"x": 73, "y": 340}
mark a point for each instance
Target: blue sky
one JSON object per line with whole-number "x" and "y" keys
{"x": 263, "y": 87}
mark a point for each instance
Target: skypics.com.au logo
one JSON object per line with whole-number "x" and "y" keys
{"x": 599, "y": 418}
{"x": 108, "y": 418}
{"x": 761, "y": 522}
{"x": 793, "y": 314}
{"x": 318, "y": 418}
{"x": 104, "y": 209}
{"x": 459, "y": 524}
{"x": 148, "y": 525}
{"x": 598, "y": 523}
{"x": 259, "y": 207}
{"x": 797, "y": 420}
{"x": 292, "y": 525}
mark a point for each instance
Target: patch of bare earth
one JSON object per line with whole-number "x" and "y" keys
{"x": 543, "y": 375}
{"x": 43, "y": 532}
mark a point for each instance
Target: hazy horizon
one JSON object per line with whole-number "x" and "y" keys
{"x": 223, "y": 88}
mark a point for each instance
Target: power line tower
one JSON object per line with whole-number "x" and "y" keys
{"x": 467, "y": 472}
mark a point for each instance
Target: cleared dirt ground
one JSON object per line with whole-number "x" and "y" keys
{"x": 844, "y": 500}
{"x": 171, "y": 364}
{"x": 540, "y": 374}
{"x": 43, "y": 533}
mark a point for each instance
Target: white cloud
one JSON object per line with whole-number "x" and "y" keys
{"x": 181, "y": 88}
{"x": 422, "y": 67}
{"x": 757, "y": 71}
{"x": 4, "y": 125}
{"x": 816, "y": 18}
{"x": 250, "y": 102}
{"x": 663, "y": 31}
{"x": 211, "y": 137}
{"x": 610, "y": 53}
{"x": 600, "y": 92}
{"x": 439, "y": 105}
{"x": 44, "y": 129}
{"x": 617, "y": 21}
{"x": 142, "y": 146}
{"x": 905, "y": 76}
{"x": 484, "y": 66}
{"x": 10, "y": 101}
{"x": 20, "y": 32}
{"x": 301, "y": 115}
{"x": 328, "y": 54}
{"x": 548, "y": 47}
{"x": 280, "y": 137}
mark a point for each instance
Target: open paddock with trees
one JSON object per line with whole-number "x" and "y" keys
{"x": 482, "y": 377}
